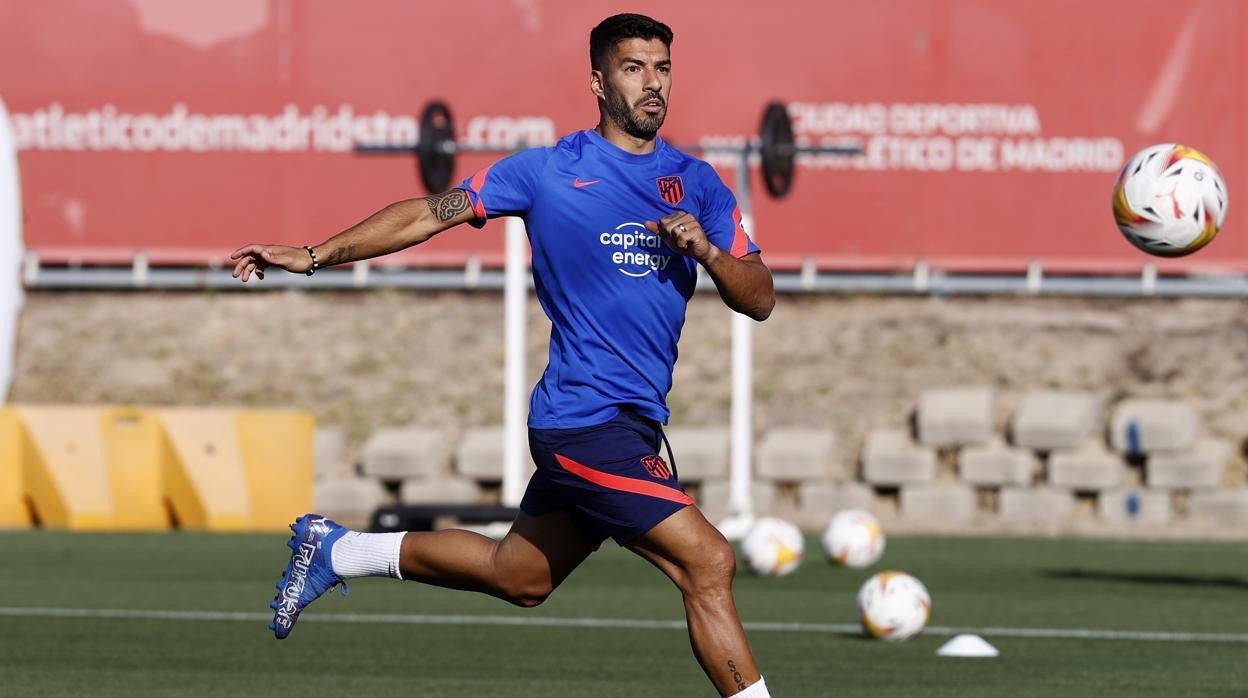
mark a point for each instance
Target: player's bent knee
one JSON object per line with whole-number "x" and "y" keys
{"x": 723, "y": 562}
{"x": 528, "y": 600}
{"x": 525, "y": 594}
{"x": 714, "y": 569}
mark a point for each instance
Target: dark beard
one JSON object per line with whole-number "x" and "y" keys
{"x": 637, "y": 125}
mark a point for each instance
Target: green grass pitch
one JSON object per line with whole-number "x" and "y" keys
{"x": 1177, "y": 587}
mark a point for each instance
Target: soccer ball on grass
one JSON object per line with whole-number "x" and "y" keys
{"x": 772, "y": 547}
{"x": 893, "y": 606}
{"x": 853, "y": 538}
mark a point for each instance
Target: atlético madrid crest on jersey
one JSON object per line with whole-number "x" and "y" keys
{"x": 671, "y": 189}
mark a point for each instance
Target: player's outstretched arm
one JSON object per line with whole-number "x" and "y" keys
{"x": 395, "y": 227}
{"x": 745, "y": 284}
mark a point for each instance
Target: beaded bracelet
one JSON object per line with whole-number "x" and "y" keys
{"x": 315, "y": 265}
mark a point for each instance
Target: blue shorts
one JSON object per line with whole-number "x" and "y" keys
{"x": 609, "y": 478}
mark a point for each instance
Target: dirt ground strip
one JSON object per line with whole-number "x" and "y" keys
{"x": 363, "y": 360}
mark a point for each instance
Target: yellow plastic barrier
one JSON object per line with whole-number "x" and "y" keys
{"x": 92, "y": 468}
{"x": 132, "y": 443}
{"x": 279, "y": 450}
{"x": 237, "y": 470}
{"x": 121, "y": 468}
{"x": 13, "y": 509}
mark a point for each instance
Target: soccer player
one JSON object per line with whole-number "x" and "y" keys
{"x": 619, "y": 222}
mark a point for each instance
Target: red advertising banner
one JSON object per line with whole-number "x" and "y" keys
{"x": 992, "y": 131}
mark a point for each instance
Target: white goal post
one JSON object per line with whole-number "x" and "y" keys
{"x": 11, "y": 253}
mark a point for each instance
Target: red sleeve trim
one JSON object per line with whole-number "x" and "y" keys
{"x": 740, "y": 241}
{"x": 478, "y": 181}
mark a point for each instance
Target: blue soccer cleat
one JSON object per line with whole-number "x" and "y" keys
{"x": 309, "y": 573}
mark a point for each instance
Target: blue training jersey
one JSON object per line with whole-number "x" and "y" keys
{"x": 615, "y": 294}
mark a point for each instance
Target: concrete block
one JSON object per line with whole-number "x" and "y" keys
{"x": 479, "y": 455}
{"x": 1089, "y": 467}
{"x": 996, "y": 464}
{"x": 330, "y": 454}
{"x": 1146, "y": 426}
{"x": 1047, "y": 420}
{"x": 1132, "y": 506}
{"x": 818, "y": 502}
{"x": 439, "y": 490}
{"x": 938, "y": 502}
{"x": 1199, "y": 468}
{"x": 955, "y": 417}
{"x": 399, "y": 454}
{"x": 1222, "y": 508}
{"x": 1035, "y": 505}
{"x": 889, "y": 457}
{"x": 702, "y": 453}
{"x": 349, "y": 497}
{"x": 798, "y": 454}
{"x": 713, "y": 498}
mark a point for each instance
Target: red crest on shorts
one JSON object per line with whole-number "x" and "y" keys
{"x": 656, "y": 467}
{"x": 671, "y": 189}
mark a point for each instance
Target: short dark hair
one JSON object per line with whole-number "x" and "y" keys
{"x": 614, "y": 29}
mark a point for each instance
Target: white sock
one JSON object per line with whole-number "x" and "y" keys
{"x": 758, "y": 689}
{"x": 367, "y": 555}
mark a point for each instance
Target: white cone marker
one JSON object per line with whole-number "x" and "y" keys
{"x": 967, "y": 646}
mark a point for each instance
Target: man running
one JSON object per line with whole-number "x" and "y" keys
{"x": 619, "y": 222}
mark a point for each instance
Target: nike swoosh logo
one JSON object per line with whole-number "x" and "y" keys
{"x": 578, "y": 183}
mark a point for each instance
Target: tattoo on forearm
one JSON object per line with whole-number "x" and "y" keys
{"x": 736, "y": 675}
{"x": 447, "y": 206}
{"x": 343, "y": 254}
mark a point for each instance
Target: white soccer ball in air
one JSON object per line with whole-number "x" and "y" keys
{"x": 853, "y": 538}
{"x": 773, "y": 547}
{"x": 893, "y": 606}
{"x": 1170, "y": 200}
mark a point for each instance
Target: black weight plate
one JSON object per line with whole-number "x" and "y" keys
{"x": 437, "y": 161}
{"x": 776, "y": 150}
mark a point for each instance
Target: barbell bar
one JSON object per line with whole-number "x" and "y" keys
{"x": 776, "y": 146}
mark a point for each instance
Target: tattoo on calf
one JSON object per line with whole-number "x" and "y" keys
{"x": 736, "y": 675}
{"x": 447, "y": 206}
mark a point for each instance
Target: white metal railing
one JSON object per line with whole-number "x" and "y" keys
{"x": 922, "y": 279}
